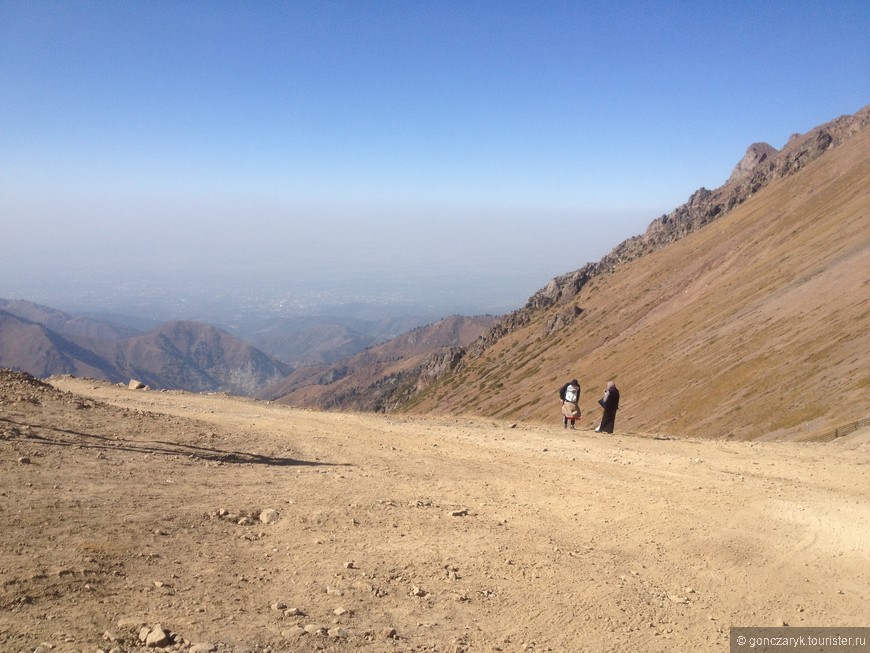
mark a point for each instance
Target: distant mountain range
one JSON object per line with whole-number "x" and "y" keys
{"x": 374, "y": 379}
{"x": 176, "y": 355}
{"x": 188, "y": 355}
{"x": 321, "y": 339}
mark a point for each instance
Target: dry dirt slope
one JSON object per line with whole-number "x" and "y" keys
{"x": 755, "y": 326}
{"x": 406, "y": 534}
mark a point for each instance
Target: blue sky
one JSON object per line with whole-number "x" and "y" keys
{"x": 426, "y": 147}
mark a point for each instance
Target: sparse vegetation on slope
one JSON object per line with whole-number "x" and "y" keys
{"x": 746, "y": 319}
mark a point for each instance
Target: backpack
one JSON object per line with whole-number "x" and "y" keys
{"x": 572, "y": 393}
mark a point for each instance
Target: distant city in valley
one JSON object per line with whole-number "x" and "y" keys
{"x": 144, "y": 302}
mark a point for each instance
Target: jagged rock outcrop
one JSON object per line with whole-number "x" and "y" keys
{"x": 756, "y": 154}
{"x": 761, "y": 166}
{"x": 412, "y": 382}
{"x": 389, "y": 391}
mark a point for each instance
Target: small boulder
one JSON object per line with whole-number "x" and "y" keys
{"x": 269, "y": 516}
{"x": 157, "y": 637}
{"x": 202, "y": 647}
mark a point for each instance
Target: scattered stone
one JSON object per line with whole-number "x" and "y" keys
{"x": 110, "y": 636}
{"x": 135, "y": 385}
{"x": 24, "y": 460}
{"x": 677, "y": 599}
{"x": 389, "y": 633}
{"x": 245, "y": 521}
{"x": 279, "y": 606}
{"x": 349, "y": 565}
{"x": 293, "y": 631}
{"x": 338, "y": 612}
{"x": 337, "y": 632}
{"x": 156, "y": 637}
{"x": 459, "y": 513}
{"x": 269, "y": 516}
{"x": 417, "y": 591}
{"x": 294, "y": 612}
{"x": 202, "y": 647}
{"x": 314, "y": 629}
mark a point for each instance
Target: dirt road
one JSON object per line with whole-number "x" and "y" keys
{"x": 127, "y": 509}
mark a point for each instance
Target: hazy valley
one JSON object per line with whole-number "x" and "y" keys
{"x": 409, "y": 487}
{"x": 740, "y": 314}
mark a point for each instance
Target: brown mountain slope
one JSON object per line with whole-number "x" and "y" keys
{"x": 321, "y": 339}
{"x": 69, "y": 326}
{"x": 194, "y": 356}
{"x": 176, "y": 355}
{"x": 761, "y": 166}
{"x": 37, "y": 350}
{"x": 363, "y": 381}
{"x": 320, "y": 344}
{"x": 755, "y": 325}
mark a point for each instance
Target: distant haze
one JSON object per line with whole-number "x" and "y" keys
{"x": 169, "y": 157}
{"x": 443, "y": 260}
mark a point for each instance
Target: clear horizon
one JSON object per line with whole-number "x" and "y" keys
{"x": 449, "y": 154}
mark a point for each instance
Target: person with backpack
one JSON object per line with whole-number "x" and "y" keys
{"x": 610, "y": 403}
{"x": 570, "y": 396}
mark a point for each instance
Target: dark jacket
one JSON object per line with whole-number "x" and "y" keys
{"x": 610, "y": 401}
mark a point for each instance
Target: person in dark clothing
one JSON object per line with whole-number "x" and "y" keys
{"x": 570, "y": 396}
{"x": 610, "y": 403}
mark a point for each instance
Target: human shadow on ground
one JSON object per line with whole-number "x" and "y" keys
{"x": 69, "y": 438}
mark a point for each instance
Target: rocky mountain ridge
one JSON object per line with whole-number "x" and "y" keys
{"x": 761, "y": 166}
{"x": 555, "y": 308}
{"x": 752, "y": 325}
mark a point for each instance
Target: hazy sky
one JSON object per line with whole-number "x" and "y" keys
{"x": 454, "y": 148}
